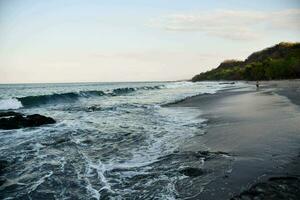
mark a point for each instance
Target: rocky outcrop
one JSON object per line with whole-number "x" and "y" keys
{"x": 14, "y": 120}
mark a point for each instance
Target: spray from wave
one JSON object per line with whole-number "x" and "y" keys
{"x": 6, "y": 104}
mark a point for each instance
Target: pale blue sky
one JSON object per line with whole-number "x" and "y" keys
{"x": 135, "y": 40}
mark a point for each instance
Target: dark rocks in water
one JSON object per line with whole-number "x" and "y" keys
{"x": 276, "y": 188}
{"x": 38, "y": 120}
{"x": 192, "y": 172}
{"x": 14, "y": 120}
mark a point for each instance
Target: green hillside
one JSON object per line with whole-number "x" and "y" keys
{"x": 281, "y": 61}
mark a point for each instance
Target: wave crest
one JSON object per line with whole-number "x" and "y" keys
{"x": 29, "y": 101}
{"x": 71, "y": 97}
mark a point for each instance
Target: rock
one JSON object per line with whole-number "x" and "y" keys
{"x": 38, "y": 120}
{"x": 193, "y": 172}
{"x": 13, "y": 120}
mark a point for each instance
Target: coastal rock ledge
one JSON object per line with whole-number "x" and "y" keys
{"x": 14, "y": 120}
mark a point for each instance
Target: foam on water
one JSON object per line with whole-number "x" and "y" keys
{"x": 179, "y": 84}
{"x": 7, "y": 104}
{"x": 39, "y": 182}
{"x": 111, "y": 141}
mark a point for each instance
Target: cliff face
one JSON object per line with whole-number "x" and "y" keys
{"x": 281, "y": 61}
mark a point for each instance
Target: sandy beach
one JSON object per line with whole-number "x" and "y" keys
{"x": 260, "y": 130}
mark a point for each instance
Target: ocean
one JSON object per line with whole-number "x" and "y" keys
{"x": 111, "y": 141}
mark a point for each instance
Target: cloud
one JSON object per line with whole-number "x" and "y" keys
{"x": 229, "y": 24}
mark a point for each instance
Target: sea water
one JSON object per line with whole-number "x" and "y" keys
{"x": 111, "y": 141}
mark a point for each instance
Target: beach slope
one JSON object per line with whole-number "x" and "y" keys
{"x": 260, "y": 129}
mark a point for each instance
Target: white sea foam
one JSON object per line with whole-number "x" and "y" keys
{"x": 6, "y": 104}
{"x": 179, "y": 84}
{"x": 92, "y": 190}
{"x": 135, "y": 142}
{"x": 89, "y": 172}
{"x": 40, "y": 181}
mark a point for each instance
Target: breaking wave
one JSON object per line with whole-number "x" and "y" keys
{"x": 69, "y": 97}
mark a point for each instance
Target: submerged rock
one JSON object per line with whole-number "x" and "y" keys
{"x": 193, "y": 172}
{"x": 14, "y": 120}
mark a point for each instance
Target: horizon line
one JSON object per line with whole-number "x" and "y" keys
{"x": 22, "y": 83}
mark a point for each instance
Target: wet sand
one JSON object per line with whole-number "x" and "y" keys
{"x": 260, "y": 129}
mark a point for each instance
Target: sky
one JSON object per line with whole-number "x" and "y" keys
{"x": 135, "y": 40}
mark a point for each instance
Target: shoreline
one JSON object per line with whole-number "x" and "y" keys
{"x": 259, "y": 128}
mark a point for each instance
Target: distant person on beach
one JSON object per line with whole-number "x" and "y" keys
{"x": 257, "y": 84}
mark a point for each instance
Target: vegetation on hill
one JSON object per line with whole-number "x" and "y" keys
{"x": 281, "y": 61}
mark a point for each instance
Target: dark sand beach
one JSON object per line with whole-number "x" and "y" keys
{"x": 260, "y": 129}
